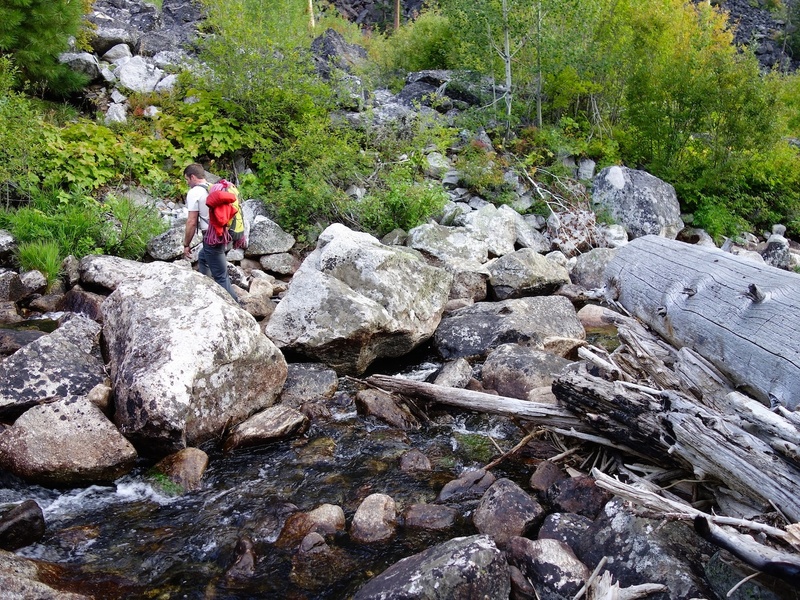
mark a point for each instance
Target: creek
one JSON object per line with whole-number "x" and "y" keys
{"x": 132, "y": 539}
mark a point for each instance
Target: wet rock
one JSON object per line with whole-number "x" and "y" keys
{"x": 521, "y": 587}
{"x": 20, "y": 579}
{"x": 505, "y": 511}
{"x": 67, "y": 442}
{"x": 643, "y": 204}
{"x": 317, "y": 566}
{"x": 546, "y": 475}
{"x": 578, "y": 495}
{"x": 513, "y": 370}
{"x": 375, "y": 520}
{"x": 271, "y": 520}
{"x": 84, "y": 303}
{"x": 61, "y": 364}
{"x": 21, "y": 526}
{"x": 635, "y": 541}
{"x": 549, "y": 563}
{"x": 244, "y": 566}
{"x": 177, "y": 384}
{"x": 524, "y": 273}
{"x": 475, "y": 330}
{"x": 45, "y": 304}
{"x": 470, "y": 485}
{"x": 383, "y": 406}
{"x": 414, "y": 460}
{"x": 433, "y": 517}
{"x": 454, "y": 373}
{"x": 349, "y": 303}
{"x": 326, "y": 519}
{"x": 274, "y": 423}
{"x": 308, "y": 382}
{"x": 184, "y": 469}
{"x": 467, "y": 567}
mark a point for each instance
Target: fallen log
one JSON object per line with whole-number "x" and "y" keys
{"x": 739, "y": 315}
{"x": 535, "y": 412}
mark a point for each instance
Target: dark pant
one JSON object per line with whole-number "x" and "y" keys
{"x": 212, "y": 261}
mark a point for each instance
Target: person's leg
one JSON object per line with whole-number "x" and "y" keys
{"x": 213, "y": 259}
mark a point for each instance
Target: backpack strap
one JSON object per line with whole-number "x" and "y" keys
{"x": 206, "y": 187}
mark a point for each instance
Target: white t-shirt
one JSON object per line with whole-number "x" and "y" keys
{"x": 196, "y": 201}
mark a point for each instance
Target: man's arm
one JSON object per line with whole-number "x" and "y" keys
{"x": 188, "y": 234}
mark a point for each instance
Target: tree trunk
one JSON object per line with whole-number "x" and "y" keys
{"x": 536, "y": 412}
{"x": 739, "y": 315}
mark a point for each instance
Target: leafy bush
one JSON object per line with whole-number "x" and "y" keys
{"x": 400, "y": 200}
{"x": 424, "y": 43}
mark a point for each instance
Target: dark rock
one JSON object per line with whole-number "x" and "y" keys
{"x": 12, "y": 340}
{"x": 384, "y": 407}
{"x": 433, "y": 517}
{"x": 308, "y": 382}
{"x": 546, "y": 474}
{"x": 469, "y": 486}
{"x": 414, "y": 460}
{"x": 548, "y": 563}
{"x": 468, "y": 567}
{"x": 21, "y": 526}
{"x": 506, "y": 511}
{"x": 578, "y": 495}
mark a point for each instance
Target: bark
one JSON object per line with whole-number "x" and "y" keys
{"x": 739, "y": 315}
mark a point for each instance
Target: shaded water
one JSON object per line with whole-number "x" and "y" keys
{"x": 131, "y": 539}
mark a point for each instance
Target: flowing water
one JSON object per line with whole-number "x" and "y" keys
{"x": 131, "y": 539}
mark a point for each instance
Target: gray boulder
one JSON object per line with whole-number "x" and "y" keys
{"x": 62, "y": 364}
{"x": 83, "y": 63}
{"x": 138, "y": 75}
{"x": 67, "y": 442}
{"x": 186, "y": 362}
{"x": 640, "y": 202}
{"x": 267, "y": 237}
{"x": 308, "y": 382}
{"x": 350, "y": 302}
{"x": 590, "y": 267}
{"x": 466, "y": 567}
{"x": 495, "y": 225}
{"x": 108, "y": 271}
{"x": 525, "y": 273}
{"x": 168, "y": 245}
{"x": 448, "y": 244}
{"x": 273, "y": 423}
{"x": 513, "y": 370}
{"x": 475, "y": 330}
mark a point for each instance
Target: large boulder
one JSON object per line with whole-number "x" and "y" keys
{"x": 497, "y": 226}
{"x": 640, "y": 202}
{"x": 525, "y": 273}
{"x": 67, "y": 442}
{"x": 466, "y": 567}
{"x": 107, "y": 271}
{"x": 21, "y": 578}
{"x": 351, "y": 303}
{"x": 62, "y": 364}
{"x": 449, "y": 244}
{"x": 186, "y": 361}
{"x": 474, "y": 330}
{"x": 513, "y": 370}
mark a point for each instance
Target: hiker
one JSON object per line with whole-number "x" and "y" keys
{"x": 211, "y": 260}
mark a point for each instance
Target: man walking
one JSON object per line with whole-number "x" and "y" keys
{"x": 211, "y": 260}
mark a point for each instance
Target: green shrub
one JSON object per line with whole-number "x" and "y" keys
{"x": 132, "y": 227}
{"x": 400, "y": 200}
{"x": 42, "y": 256}
{"x": 424, "y": 43}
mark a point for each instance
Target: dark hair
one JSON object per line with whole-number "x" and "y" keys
{"x": 196, "y": 170}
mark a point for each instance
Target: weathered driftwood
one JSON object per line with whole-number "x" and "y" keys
{"x": 535, "y": 412}
{"x": 740, "y": 315}
{"x": 716, "y": 529}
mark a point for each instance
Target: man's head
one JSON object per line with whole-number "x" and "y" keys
{"x": 194, "y": 173}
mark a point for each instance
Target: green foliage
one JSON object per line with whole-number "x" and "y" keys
{"x": 34, "y": 33}
{"x": 482, "y": 170}
{"x": 133, "y": 225}
{"x": 401, "y": 200}
{"x": 21, "y": 145}
{"x": 475, "y": 447}
{"x": 425, "y": 43}
{"x": 42, "y": 256}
